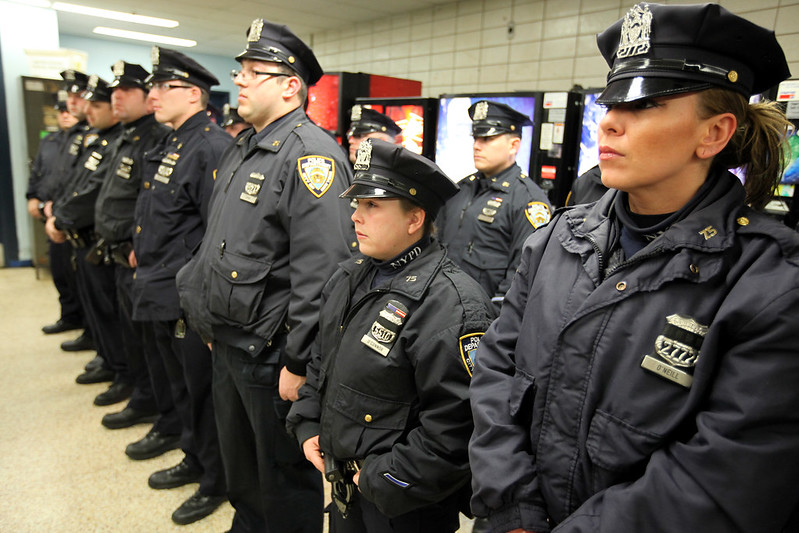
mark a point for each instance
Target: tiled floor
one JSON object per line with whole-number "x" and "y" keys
{"x": 60, "y": 470}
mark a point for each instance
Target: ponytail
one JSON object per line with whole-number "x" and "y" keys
{"x": 758, "y": 145}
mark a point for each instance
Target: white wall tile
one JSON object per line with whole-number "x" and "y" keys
{"x": 522, "y": 71}
{"x": 496, "y": 18}
{"x": 467, "y": 58}
{"x": 558, "y": 48}
{"x": 593, "y": 23}
{"x": 561, "y": 8}
{"x": 528, "y": 31}
{"x": 555, "y": 69}
{"x": 521, "y": 52}
{"x": 443, "y": 44}
{"x": 561, "y": 27}
{"x": 494, "y": 36}
{"x": 528, "y": 11}
{"x": 472, "y": 6}
{"x": 494, "y": 55}
{"x": 468, "y": 41}
{"x": 467, "y": 23}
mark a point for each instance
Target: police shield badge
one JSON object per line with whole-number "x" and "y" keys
{"x": 678, "y": 345}
{"x": 468, "y": 345}
{"x": 537, "y": 213}
{"x": 317, "y": 173}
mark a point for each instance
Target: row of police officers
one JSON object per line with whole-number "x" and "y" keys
{"x": 284, "y": 315}
{"x": 200, "y": 265}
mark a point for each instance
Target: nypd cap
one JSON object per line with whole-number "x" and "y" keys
{"x": 74, "y": 80}
{"x": 97, "y": 90}
{"x": 128, "y": 75}
{"x": 387, "y": 170}
{"x": 277, "y": 43}
{"x": 659, "y": 50}
{"x": 172, "y": 65}
{"x": 61, "y": 100}
{"x": 230, "y": 116}
{"x": 492, "y": 118}
{"x": 364, "y": 120}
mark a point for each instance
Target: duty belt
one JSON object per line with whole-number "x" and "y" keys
{"x": 82, "y": 238}
{"x": 339, "y": 474}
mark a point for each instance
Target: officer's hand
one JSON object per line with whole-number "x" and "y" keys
{"x": 33, "y": 208}
{"x": 48, "y": 209}
{"x": 313, "y": 453}
{"x": 355, "y": 477}
{"x": 54, "y": 234}
{"x": 289, "y": 385}
{"x": 132, "y": 259}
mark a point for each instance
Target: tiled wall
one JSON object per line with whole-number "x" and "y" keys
{"x": 467, "y": 47}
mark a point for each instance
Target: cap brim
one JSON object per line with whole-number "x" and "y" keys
{"x": 638, "y": 87}
{"x": 488, "y": 131}
{"x": 369, "y": 190}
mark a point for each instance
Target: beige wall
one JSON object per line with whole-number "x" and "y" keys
{"x": 465, "y": 47}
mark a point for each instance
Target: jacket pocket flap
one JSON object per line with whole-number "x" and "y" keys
{"x": 370, "y": 411}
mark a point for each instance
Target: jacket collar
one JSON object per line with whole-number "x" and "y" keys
{"x": 413, "y": 282}
{"x": 277, "y": 135}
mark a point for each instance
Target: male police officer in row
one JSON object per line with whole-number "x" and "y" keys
{"x": 171, "y": 216}
{"x": 73, "y": 219}
{"x": 232, "y": 121}
{"x": 114, "y": 224}
{"x": 276, "y": 231}
{"x": 63, "y": 272}
{"x": 366, "y": 123}
{"x": 486, "y": 223}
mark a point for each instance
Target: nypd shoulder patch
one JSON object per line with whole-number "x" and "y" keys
{"x": 468, "y": 345}
{"x": 317, "y": 173}
{"x": 537, "y": 213}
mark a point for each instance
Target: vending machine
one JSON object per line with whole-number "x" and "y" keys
{"x": 417, "y": 117}
{"x": 330, "y": 100}
{"x": 454, "y": 140}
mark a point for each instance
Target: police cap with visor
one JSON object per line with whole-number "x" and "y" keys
{"x": 230, "y": 116}
{"x": 172, "y": 65}
{"x": 61, "y": 100}
{"x": 276, "y": 43}
{"x": 492, "y": 118}
{"x": 364, "y": 120}
{"x": 660, "y": 50}
{"x": 387, "y": 170}
{"x": 129, "y": 75}
{"x": 74, "y": 80}
{"x": 97, "y": 90}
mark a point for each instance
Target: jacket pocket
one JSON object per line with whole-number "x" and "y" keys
{"x": 371, "y": 423}
{"x": 491, "y": 266}
{"x": 236, "y": 287}
{"x": 618, "y": 450}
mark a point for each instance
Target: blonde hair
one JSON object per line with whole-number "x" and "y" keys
{"x": 758, "y": 145}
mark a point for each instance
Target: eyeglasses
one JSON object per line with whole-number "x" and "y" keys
{"x": 165, "y": 86}
{"x": 249, "y": 75}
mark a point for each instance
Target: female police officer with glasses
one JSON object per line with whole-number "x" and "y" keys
{"x": 642, "y": 375}
{"x": 385, "y": 411}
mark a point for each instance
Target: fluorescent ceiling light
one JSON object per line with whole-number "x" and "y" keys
{"x": 149, "y": 37}
{"x": 33, "y": 3}
{"x": 115, "y": 15}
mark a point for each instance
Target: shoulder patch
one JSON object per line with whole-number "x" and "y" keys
{"x": 317, "y": 173}
{"x": 537, "y": 213}
{"x": 468, "y": 345}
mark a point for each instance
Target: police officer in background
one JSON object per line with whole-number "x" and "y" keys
{"x": 277, "y": 229}
{"x": 232, "y": 121}
{"x": 587, "y": 187}
{"x": 171, "y": 216}
{"x": 42, "y": 166}
{"x": 496, "y": 209}
{"x": 366, "y": 123}
{"x": 49, "y": 187}
{"x": 114, "y": 223}
{"x": 73, "y": 219}
{"x": 385, "y": 411}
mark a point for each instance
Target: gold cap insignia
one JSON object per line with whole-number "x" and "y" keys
{"x": 732, "y": 76}
{"x": 364, "y": 159}
{"x": 255, "y": 30}
{"x": 481, "y": 111}
{"x": 635, "y": 32}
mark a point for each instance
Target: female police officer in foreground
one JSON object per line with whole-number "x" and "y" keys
{"x": 386, "y": 401}
{"x": 642, "y": 375}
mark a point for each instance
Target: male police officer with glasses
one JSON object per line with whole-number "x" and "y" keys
{"x": 171, "y": 216}
{"x": 276, "y": 231}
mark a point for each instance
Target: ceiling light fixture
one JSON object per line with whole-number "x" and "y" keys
{"x": 149, "y": 37}
{"x": 115, "y": 15}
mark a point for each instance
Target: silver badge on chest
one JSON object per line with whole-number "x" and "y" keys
{"x": 678, "y": 348}
{"x": 384, "y": 331}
